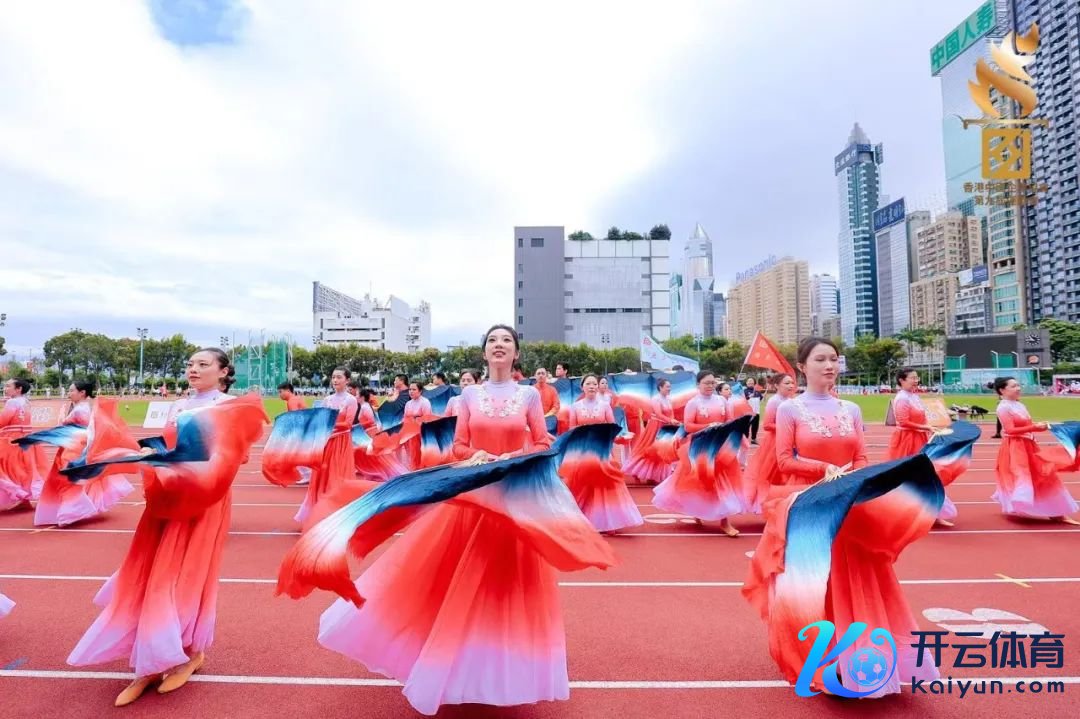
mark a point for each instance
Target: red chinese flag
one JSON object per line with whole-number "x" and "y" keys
{"x": 764, "y": 354}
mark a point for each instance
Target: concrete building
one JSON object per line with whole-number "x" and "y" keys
{"x": 1051, "y": 226}
{"x": 858, "y": 184}
{"x": 824, "y": 302}
{"x": 896, "y": 247}
{"x": 933, "y": 301}
{"x": 538, "y": 283}
{"x": 952, "y": 242}
{"x": 973, "y": 307}
{"x": 830, "y": 327}
{"x": 604, "y": 292}
{"x": 773, "y": 297}
{"x": 953, "y": 61}
{"x": 392, "y": 325}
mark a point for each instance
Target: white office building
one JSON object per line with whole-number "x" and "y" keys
{"x": 392, "y": 325}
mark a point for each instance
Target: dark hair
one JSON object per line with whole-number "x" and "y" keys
{"x": 223, "y": 362}
{"x": 474, "y": 372}
{"x": 565, "y": 367}
{"x": 343, "y": 370}
{"x": 86, "y": 387}
{"x": 518, "y": 367}
{"x": 403, "y": 377}
{"x": 418, "y": 384}
{"x": 751, "y": 379}
{"x": 904, "y": 373}
{"x": 508, "y": 328}
{"x": 777, "y": 378}
{"x": 1001, "y": 383}
{"x": 661, "y": 382}
{"x": 367, "y": 393}
{"x": 720, "y": 387}
{"x": 286, "y": 386}
{"x": 22, "y": 384}
{"x": 678, "y": 368}
{"x": 587, "y": 376}
{"x": 703, "y": 374}
{"x": 807, "y": 346}
{"x": 440, "y": 375}
{"x": 354, "y": 383}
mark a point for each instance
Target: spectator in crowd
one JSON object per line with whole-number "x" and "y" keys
{"x": 549, "y": 397}
{"x": 753, "y": 394}
{"x": 288, "y": 395}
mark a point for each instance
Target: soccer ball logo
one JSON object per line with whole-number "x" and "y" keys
{"x": 868, "y": 667}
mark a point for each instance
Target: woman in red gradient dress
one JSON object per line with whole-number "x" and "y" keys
{"x": 649, "y": 461}
{"x": 160, "y": 608}
{"x": 819, "y": 437}
{"x": 460, "y": 609}
{"x": 912, "y": 430}
{"x": 1028, "y": 484}
{"x": 704, "y": 493}
{"x": 380, "y": 467}
{"x": 63, "y": 502}
{"x": 339, "y": 462}
{"x": 21, "y": 471}
{"x": 762, "y": 472}
{"x": 738, "y": 406}
{"x": 598, "y": 486}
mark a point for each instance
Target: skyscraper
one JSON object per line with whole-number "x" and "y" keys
{"x": 858, "y": 185}
{"x": 1052, "y": 225}
{"x": 698, "y": 279}
{"x": 895, "y": 247}
{"x": 952, "y": 61}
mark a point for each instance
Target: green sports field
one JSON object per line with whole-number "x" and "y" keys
{"x": 1053, "y": 409}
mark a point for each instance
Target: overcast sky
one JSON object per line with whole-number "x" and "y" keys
{"x": 194, "y": 166}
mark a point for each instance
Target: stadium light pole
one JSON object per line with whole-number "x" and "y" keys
{"x": 142, "y": 338}
{"x": 605, "y": 340}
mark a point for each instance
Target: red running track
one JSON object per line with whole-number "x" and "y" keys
{"x": 664, "y": 634}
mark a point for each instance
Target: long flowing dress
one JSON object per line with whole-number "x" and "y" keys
{"x": 907, "y": 439}
{"x": 1028, "y": 483}
{"x": 762, "y": 471}
{"x": 596, "y": 481}
{"x": 339, "y": 461}
{"x": 21, "y": 471}
{"x": 63, "y": 502}
{"x": 380, "y": 466}
{"x": 705, "y": 490}
{"x": 739, "y": 406}
{"x": 461, "y": 608}
{"x": 655, "y": 450}
{"x": 160, "y": 608}
{"x": 812, "y": 431}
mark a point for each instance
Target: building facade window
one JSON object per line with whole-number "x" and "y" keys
{"x": 537, "y": 242}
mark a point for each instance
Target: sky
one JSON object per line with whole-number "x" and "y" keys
{"x": 193, "y": 166}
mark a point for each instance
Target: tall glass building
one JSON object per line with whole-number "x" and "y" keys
{"x": 1051, "y": 227}
{"x": 953, "y": 62}
{"x": 858, "y": 185}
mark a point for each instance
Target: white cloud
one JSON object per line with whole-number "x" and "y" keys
{"x": 358, "y": 144}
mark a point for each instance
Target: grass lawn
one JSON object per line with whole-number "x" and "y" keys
{"x": 133, "y": 411}
{"x": 1050, "y": 409}
{"x": 874, "y": 406}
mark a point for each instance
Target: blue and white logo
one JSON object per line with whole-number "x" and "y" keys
{"x": 868, "y": 667}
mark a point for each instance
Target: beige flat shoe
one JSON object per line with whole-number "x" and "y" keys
{"x": 179, "y": 676}
{"x": 135, "y": 690}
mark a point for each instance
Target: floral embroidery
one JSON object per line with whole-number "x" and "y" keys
{"x": 587, "y": 411}
{"x": 816, "y": 423}
{"x": 511, "y": 406}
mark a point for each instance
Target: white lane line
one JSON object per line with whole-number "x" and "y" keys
{"x": 678, "y": 685}
{"x": 593, "y": 585}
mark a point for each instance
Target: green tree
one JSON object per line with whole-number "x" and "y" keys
{"x": 632, "y": 236}
{"x": 614, "y": 233}
{"x": 660, "y": 232}
{"x": 580, "y": 236}
{"x": 2, "y": 350}
{"x": 1064, "y": 339}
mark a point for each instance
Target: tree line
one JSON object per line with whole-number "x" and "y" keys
{"x": 114, "y": 362}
